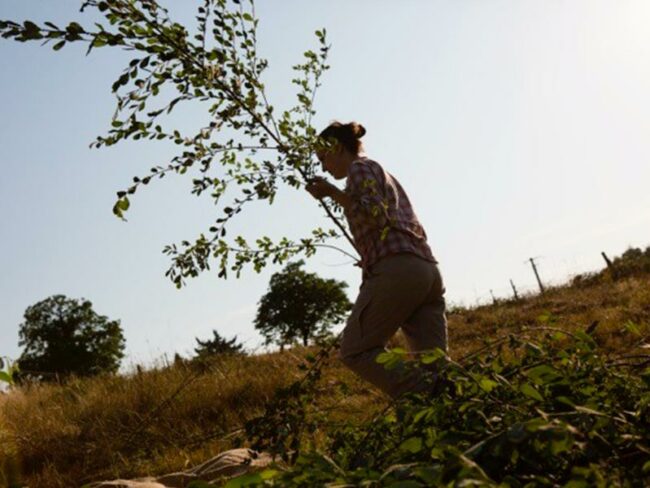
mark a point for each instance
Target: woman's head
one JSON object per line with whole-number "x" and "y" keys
{"x": 342, "y": 146}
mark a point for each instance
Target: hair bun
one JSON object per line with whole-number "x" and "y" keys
{"x": 347, "y": 134}
{"x": 358, "y": 130}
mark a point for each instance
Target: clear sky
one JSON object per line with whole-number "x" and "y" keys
{"x": 518, "y": 129}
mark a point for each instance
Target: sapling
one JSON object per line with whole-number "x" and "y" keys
{"x": 245, "y": 143}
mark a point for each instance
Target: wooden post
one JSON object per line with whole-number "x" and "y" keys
{"x": 539, "y": 281}
{"x": 494, "y": 299}
{"x": 610, "y": 265}
{"x": 514, "y": 290}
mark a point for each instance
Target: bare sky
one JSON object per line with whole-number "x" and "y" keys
{"x": 518, "y": 129}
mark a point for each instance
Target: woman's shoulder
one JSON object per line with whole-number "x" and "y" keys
{"x": 363, "y": 159}
{"x": 364, "y": 171}
{"x": 366, "y": 163}
{"x": 363, "y": 166}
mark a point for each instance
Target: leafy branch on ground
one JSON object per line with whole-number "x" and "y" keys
{"x": 553, "y": 410}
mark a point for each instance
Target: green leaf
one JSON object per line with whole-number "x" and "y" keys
{"x": 585, "y": 338}
{"x": 74, "y": 27}
{"x": 560, "y": 444}
{"x": 391, "y": 359}
{"x": 251, "y": 479}
{"x": 528, "y": 390}
{"x": 58, "y": 45}
{"x": 6, "y": 377}
{"x": 543, "y": 374}
{"x": 124, "y": 204}
{"x": 430, "y": 357}
{"x": 565, "y": 400}
{"x": 384, "y": 357}
{"x": 201, "y": 484}
{"x": 412, "y": 445}
{"x": 487, "y": 384}
{"x": 244, "y": 480}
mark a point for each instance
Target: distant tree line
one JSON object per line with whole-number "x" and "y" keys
{"x": 63, "y": 337}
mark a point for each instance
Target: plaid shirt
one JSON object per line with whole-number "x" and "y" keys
{"x": 381, "y": 218}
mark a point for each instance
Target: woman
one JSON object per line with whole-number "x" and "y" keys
{"x": 401, "y": 286}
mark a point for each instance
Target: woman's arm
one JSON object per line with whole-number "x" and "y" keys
{"x": 368, "y": 203}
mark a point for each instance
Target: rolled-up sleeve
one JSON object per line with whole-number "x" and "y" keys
{"x": 365, "y": 189}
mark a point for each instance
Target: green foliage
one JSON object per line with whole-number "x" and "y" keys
{"x": 633, "y": 262}
{"x": 300, "y": 306}
{"x": 62, "y": 336}
{"x": 245, "y": 145}
{"x": 217, "y": 345}
{"x": 544, "y": 412}
{"x": 252, "y": 479}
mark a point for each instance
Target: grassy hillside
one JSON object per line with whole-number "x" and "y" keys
{"x": 165, "y": 420}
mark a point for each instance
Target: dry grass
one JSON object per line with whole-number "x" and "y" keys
{"x": 153, "y": 422}
{"x": 610, "y": 303}
{"x": 167, "y": 419}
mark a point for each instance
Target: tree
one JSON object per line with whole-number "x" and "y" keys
{"x": 245, "y": 142}
{"x": 64, "y": 336}
{"x": 300, "y": 306}
{"x": 217, "y": 345}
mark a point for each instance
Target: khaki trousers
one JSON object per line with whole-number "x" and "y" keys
{"x": 400, "y": 290}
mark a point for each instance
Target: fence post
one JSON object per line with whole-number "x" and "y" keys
{"x": 610, "y": 265}
{"x": 514, "y": 290}
{"x": 539, "y": 281}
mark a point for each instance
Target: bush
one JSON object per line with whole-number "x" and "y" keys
{"x": 557, "y": 412}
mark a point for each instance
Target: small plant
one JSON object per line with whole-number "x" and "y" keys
{"x": 217, "y": 345}
{"x": 8, "y": 370}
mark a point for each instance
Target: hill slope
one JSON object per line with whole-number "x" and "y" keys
{"x": 165, "y": 420}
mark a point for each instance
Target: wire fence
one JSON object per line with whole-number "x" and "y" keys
{"x": 538, "y": 273}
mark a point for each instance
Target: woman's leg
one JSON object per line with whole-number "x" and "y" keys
{"x": 426, "y": 329}
{"x": 400, "y": 285}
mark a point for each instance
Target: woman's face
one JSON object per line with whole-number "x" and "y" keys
{"x": 332, "y": 161}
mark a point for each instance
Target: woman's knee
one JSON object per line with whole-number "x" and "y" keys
{"x": 347, "y": 358}
{"x": 358, "y": 361}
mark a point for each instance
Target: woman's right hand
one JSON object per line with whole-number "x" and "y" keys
{"x": 319, "y": 187}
